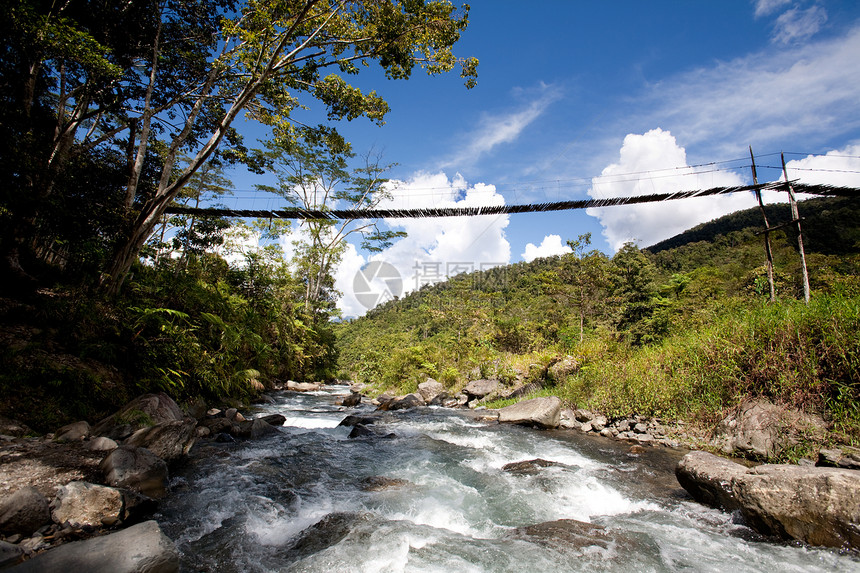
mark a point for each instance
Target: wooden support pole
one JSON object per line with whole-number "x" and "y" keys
{"x": 796, "y": 216}
{"x": 767, "y": 250}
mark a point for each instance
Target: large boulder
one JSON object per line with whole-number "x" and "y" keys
{"x": 143, "y": 411}
{"x": 560, "y": 370}
{"x": 429, "y": 389}
{"x": 84, "y": 504}
{"x": 543, "y": 412}
{"x": 406, "y": 402}
{"x": 708, "y": 478}
{"x": 480, "y": 388}
{"x": 142, "y": 548}
{"x": 137, "y": 469}
{"x": 168, "y": 440}
{"x": 759, "y": 429}
{"x": 74, "y": 432}
{"x": 294, "y": 386}
{"x": 818, "y": 506}
{"x": 24, "y": 512}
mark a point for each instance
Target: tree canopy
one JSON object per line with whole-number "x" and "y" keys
{"x": 145, "y": 82}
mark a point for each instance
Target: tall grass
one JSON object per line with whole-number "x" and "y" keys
{"x": 806, "y": 357}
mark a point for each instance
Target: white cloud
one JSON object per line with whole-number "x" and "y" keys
{"x": 550, "y": 246}
{"x": 766, "y": 7}
{"x": 797, "y": 25}
{"x": 494, "y": 130}
{"x": 434, "y": 248}
{"x": 840, "y": 167}
{"x": 649, "y": 223}
{"x": 763, "y": 99}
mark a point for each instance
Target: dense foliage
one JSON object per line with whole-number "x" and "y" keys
{"x": 683, "y": 332}
{"x": 112, "y": 111}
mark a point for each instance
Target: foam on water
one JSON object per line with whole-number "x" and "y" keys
{"x": 244, "y": 508}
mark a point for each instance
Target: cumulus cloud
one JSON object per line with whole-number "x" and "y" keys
{"x": 649, "y": 223}
{"x": 434, "y": 248}
{"x": 839, "y": 167}
{"x": 796, "y": 25}
{"x": 550, "y": 246}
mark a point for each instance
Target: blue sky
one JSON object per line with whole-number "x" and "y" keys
{"x": 599, "y": 99}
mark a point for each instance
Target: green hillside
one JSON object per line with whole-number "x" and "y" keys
{"x": 682, "y": 329}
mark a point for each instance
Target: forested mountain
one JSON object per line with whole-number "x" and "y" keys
{"x": 683, "y": 328}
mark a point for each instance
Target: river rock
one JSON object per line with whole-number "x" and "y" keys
{"x": 24, "y": 511}
{"x": 564, "y": 534}
{"x": 276, "y": 420}
{"x": 406, "y": 402}
{"x": 360, "y": 431}
{"x": 302, "y": 386}
{"x": 137, "y": 469}
{"x": 543, "y": 412}
{"x": 143, "y": 411}
{"x": 74, "y": 432}
{"x": 761, "y": 430}
{"x": 480, "y": 388}
{"x": 84, "y": 504}
{"x": 379, "y": 483}
{"x": 843, "y": 457}
{"x": 528, "y": 467}
{"x": 169, "y": 441}
{"x": 364, "y": 419}
{"x": 101, "y": 444}
{"x": 9, "y": 427}
{"x": 328, "y": 531}
{"x": 353, "y": 400}
{"x": 142, "y": 548}
{"x": 708, "y": 478}
{"x": 814, "y": 505}
{"x": 9, "y": 554}
{"x": 429, "y": 389}
{"x": 559, "y": 371}
{"x": 581, "y": 415}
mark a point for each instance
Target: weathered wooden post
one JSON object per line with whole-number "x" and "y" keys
{"x": 795, "y": 215}
{"x": 767, "y": 250}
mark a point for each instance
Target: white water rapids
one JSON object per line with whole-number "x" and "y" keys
{"x": 299, "y": 501}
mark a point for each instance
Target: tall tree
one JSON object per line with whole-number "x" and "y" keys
{"x": 312, "y": 165}
{"x": 186, "y": 69}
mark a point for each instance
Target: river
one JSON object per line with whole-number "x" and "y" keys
{"x": 309, "y": 499}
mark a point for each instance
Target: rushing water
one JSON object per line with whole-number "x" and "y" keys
{"x": 303, "y": 500}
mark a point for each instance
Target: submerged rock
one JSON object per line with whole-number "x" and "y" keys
{"x": 142, "y": 548}
{"x": 564, "y": 534}
{"x": 528, "y": 467}
{"x": 543, "y": 412}
{"x": 379, "y": 483}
